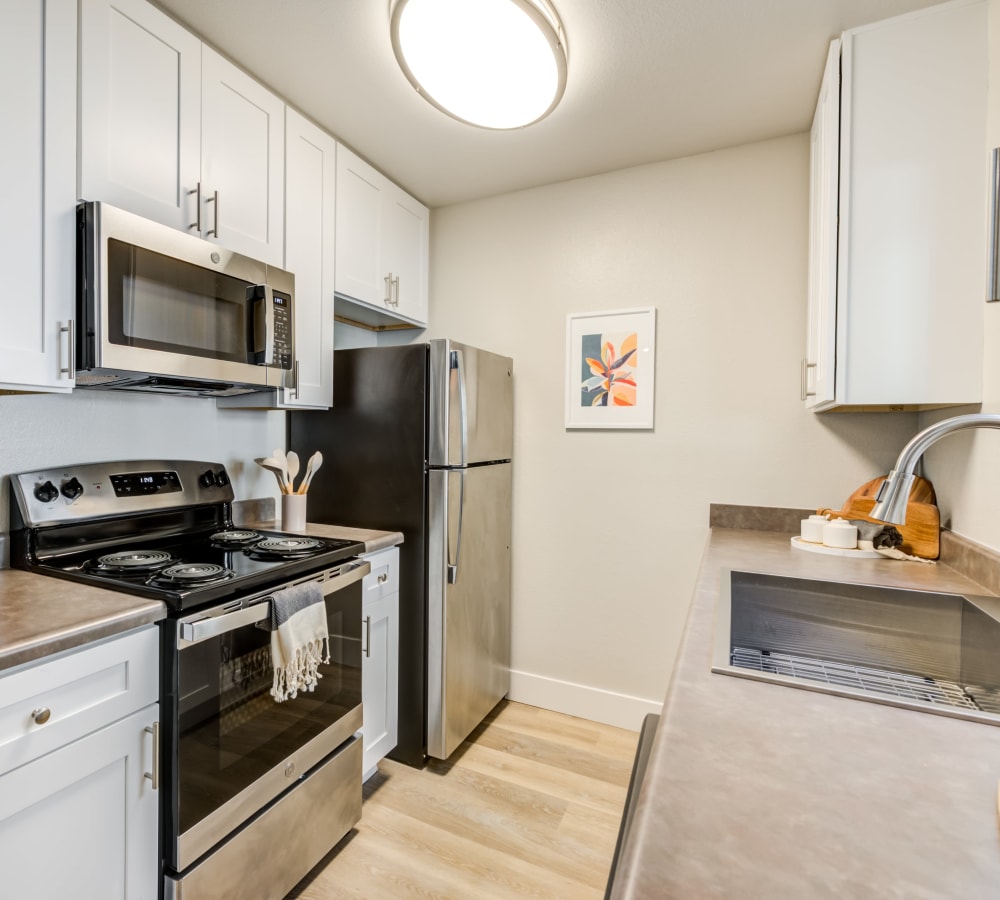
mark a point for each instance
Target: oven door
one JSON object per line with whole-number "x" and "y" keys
{"x": 157, "y": 301}
{"x": 229, "y": 748}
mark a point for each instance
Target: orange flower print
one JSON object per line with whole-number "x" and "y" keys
{"x": 612, "y": 381}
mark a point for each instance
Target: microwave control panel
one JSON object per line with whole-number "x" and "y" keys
{"x": 276, "y": 306}
{"x": 282, "y": 330}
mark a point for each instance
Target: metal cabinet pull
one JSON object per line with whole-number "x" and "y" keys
{"x": 196, "y": 224}
{"x": 41, "y": 715}
{"x": 387, "y": 299}
{"x": 804, "y": 379}
{"x": 395, "y": 292}
{"x": 383, "y": 577}
{"x": 154, "y": 776}
{"x": 295, "y": 380}
{"x": 368, "y": 636}
{"x": 215, "y": 231}
{"x": 69, "y": 329}
{"x": 994, "y": 285}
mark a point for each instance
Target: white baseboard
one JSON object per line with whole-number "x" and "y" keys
{"x": 607, "y": 707}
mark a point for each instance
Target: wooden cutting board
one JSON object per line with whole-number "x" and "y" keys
{"x": 922, "y": 531}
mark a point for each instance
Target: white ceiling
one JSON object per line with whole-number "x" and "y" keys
{"x": 648, "y": 80}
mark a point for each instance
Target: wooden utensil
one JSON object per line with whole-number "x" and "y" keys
{"x": 312, "y": 467}
{"x": 266, "y": 462}
{"x": 293, "y": 469}
{"x": 281, "y": 461}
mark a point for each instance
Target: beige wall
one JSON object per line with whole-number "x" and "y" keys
{"x": 609, "y": 526}
{"x": 965, "y": 467}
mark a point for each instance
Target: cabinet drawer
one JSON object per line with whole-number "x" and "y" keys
{"x": 383, "y": 580}
{"x": 49, "y": 704}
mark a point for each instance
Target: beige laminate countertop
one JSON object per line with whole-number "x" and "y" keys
{"x": 759, "y": 790}
{"x": 41, "y": 615}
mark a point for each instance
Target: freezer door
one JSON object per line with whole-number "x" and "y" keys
{"x": 471, "y": 416}
{"x": 468, "y": 615}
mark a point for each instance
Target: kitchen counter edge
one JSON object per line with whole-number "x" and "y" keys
{"x": 41, "y": 616}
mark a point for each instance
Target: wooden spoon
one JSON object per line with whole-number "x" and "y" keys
{"x": 312, "y": 467}
{"x": 271, "y": 464}
{"x": 293, "y": 469}
{"x": 281, "y": 460}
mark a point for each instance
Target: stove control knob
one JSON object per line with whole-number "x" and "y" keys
{"x": 221, "y": 478}
{"x": 71, "y": 489}
{"x": 46, "y": 492}
{"x": 207, "y": 478}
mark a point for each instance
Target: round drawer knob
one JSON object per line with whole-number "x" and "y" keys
{"x": 41, "y": 715}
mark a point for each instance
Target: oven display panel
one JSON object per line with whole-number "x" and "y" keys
{"x": 137, "y": 484}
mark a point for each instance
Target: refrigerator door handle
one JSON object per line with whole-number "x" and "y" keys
{"x": 458, "y": 364}
{"x": 453, "y": 566}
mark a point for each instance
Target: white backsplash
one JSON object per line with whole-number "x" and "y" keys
{"x": 90, "y": 426}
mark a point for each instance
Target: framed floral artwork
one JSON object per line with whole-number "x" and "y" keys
{"x": 610, "y": 369}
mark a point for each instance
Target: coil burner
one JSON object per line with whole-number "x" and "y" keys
{"x": 286, "y": 547}
{"x": 184, "y": 574}
{"x": 130, "y": 562}
{"x": 235, "y": 539}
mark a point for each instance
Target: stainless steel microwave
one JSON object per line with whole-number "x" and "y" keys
{"x": 160, "y": 310}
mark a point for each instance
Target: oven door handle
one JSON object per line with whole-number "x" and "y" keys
{"x": 210, "y": 626}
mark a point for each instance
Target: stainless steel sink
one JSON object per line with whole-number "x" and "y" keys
{"x": 936, "y": 653}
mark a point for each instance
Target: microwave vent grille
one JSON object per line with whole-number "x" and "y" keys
{"x": 87, "y": 380}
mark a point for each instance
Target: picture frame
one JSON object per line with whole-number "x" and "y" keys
{"x": 611, "y": 368}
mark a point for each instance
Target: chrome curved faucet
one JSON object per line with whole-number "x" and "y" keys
{"x": 890, "y": 502}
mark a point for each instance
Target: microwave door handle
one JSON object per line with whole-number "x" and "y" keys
{"x": 262, "y": 293}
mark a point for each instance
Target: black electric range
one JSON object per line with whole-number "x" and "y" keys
{"x": 158, "y": 529}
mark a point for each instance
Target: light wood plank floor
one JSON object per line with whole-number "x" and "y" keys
{"x": 528, "y": 806}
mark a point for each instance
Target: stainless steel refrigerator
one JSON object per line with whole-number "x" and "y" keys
{"x": 420, "y": 440}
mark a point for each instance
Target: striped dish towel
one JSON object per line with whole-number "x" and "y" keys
{"x": 300, "y": 641}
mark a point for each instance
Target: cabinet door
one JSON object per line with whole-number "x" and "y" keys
{"x": 310, "y": 215}
{"x": 405, "y": 252}
{"x": 82, "y": 821}
{"x": 379, "y": 679}
{"x": 37, "y": 235}
{"x": 242, "y": 161}
{"x": 359, "y": 228}
{"x": 140, "y": 111}
{"x": 913, "y": 193}
{"x": 821, "y": 342}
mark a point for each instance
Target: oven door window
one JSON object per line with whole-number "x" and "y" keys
{"x": 230, "y": 731}
{"x": 160, "y": 303}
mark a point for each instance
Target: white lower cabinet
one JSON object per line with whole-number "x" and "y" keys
{"x": 380, "y": 662}
{"x": 78, "y": 809}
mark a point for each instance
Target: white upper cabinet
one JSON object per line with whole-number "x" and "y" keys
{"x": 172, "y": 131}
{"x": 382, "y": 247}
{"x": 910, "y": 256}
{"x": 242, "y": 161}
{"x": 818, "y": 368}
{"x": 310, "y": 214}
{"x": 37, "y": 163}
{"x": 140, "y": 111}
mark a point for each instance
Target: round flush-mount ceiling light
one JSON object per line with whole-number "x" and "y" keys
{"x": 497, "y": 64}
